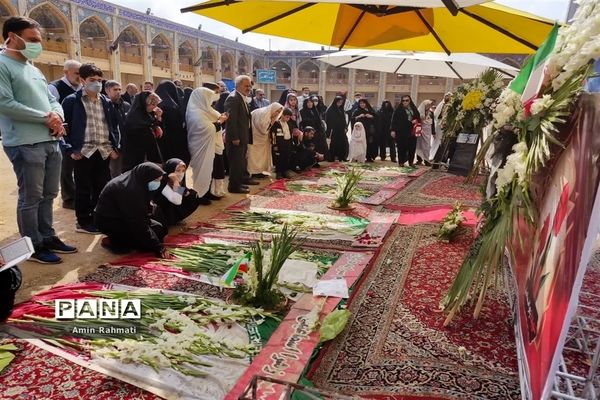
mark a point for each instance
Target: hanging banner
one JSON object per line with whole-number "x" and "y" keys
{"x": 549, "y": 269}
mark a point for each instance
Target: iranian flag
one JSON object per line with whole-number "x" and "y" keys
{"x": 529, "y": 81}
{"x": 240, "y": 265}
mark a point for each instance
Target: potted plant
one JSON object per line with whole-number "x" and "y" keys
{"x": 346, "y": 189}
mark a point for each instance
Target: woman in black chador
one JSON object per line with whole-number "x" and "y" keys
{"x": 404, "y": 118}
{"x": 173, "y": 143}
{"x": 335, "y": 119}
{"x": 364, "y": 113}
{"x": 384, "y": 121}
{"x": 309, "y": 116}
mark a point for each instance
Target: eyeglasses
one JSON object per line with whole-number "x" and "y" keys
{"x": 405, "y": 101}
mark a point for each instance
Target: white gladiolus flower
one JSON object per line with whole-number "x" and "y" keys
{"x": 541, "y": 104}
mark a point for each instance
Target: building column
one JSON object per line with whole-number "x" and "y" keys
{"x": 294, "y": 76}
{"x": 198, "y": 69}
{"x": 218, "y": 72}
{"x": 175, "y": 58}
{"x": 382, "y": 87}
{"x": 74, "y": 48}
{"x": 414, "y": 88}
{"x": 449, "y": 84}
{"x": 114, "y": 58}
{"x": 351, "y": 83}
{"x": 22, "y": 7}
{"x": 147, "y": 56}
{"x": 322, "y": 79}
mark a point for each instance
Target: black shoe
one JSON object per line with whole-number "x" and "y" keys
{"x": 393, "y": 160}
{"x": 260, "y": 176}
{"x": 427, "y": 164}
{"x": 69, "y": 205}
{"x": 45, "y": 256}
{"x": 241, "y": 190}
{"x": 56, "y": 245}
{"x": 251, "y": 182}
{"x": 210, "y": 196}
{"x": 110, "y": 246}
{"x": 204, "y": 201}
{"x": 87, "y": 228}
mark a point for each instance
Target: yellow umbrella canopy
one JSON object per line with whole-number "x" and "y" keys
{"x": 479, "y": 28}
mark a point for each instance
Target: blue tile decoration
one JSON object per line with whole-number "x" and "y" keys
{"x": 84, "y": 13}
{"x": 63, "y": 6}
{"x": 97, "y": 5}
{"x": 154, "y": 32}
{"x": 124, "y": 23}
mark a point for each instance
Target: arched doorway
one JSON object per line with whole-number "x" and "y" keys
{"x": 6, "y": 11}
{"x": 131, "y": 45}
{"x": 95, "y": 38}
{"x": 187, "y": 58}
{"x": 308, "y": 74}
{"x": 208, "y": 59}
{"x": 161, "y": 52}
{"x": 227, "y": 65}
{"x": 243, "y": 66}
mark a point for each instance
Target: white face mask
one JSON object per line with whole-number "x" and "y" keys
{"x": 180, "y": 175}
{"x": 31, "y": 51}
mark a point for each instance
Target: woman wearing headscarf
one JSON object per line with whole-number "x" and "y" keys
{"x": 358, "y": 144}
{"x": 142, "y": 127}
{"x": 384, "y": 120}
{"x": 365, "y": 114}
{"x": 175, "y": 201}
{"x": 260, "y": 159}
{"x": 404, "y": 118}
{"x": 173, "y": 143}
{"x": 309, "y": 116}
{"x": 187, "y": 92}
{"x": 335, "y": 119}
{"x": 427, "y": 132}
{"x": 321, "y": 107}
{"x": 205, "y": 140}
{"x": 124, "y": 209}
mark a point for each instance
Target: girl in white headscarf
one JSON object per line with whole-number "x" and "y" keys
{"x": 358, "y": 143}
{"x": 427, "y": 132}
{"x": 204, "y": 139}
{"x": 260, "y": 159}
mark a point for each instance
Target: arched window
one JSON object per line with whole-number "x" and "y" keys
{"x": 186, "y": 57}
{"x": 227, "y": 65}
{"x": 398, "y": 79}
{"x": 5, "y": 12}
{"x": 366, "y": 77}
{"x": 130, "y": 45}
{"x": 161, "y": 52}
{"x": 243, "y": 66}
{"x": 283, "y": 73}
{"x": 308, "y": 72}
{"x": 337, "y": 75}
{"x": 208, "y": 62}
{"x": 257, "y": 65}
{"x": 95, "y": 38}
{"x": 56, "y": 36}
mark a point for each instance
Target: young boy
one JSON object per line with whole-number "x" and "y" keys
{"x": 93, "y": 143}
{"x": 281, "y": 140}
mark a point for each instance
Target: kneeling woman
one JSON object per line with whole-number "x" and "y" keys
{"x": 124, "y": 211}
{"x": 175, "y": 201}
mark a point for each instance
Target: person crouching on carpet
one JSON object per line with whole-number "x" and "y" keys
{"x": 124, "y": 212}
{"x": 281, "y": 140}
{"x": 358, "y": 144}
{"x": 174, "y": 201}
{"x": 10, "y": 282}
{"x": 303, "y": 155}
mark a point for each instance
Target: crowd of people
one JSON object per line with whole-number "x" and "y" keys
{"x": 120, "y": 156}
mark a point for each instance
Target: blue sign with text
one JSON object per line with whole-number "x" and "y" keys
{"x": 266, "y": 76}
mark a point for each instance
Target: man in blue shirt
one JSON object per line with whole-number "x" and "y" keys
{"x": 31, "y": 121}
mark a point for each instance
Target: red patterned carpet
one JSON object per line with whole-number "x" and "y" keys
{"x": 36, "y": 374}
{"x": 395, "y": 347}
{"x": 435, "y": 189}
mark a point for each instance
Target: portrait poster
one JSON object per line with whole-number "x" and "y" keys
{"x": 549, "y": 269}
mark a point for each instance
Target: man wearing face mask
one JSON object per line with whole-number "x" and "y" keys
{"x": 60, "y": 89}
{"x": 31, "y": 121}
{"x": 93, "y": 143}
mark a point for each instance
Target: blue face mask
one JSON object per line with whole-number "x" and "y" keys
{"x": 31, "y": 51}
{"x": 93, "y": 87}
{"x": 153, "y": 185}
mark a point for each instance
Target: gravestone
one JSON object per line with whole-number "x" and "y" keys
{"x": 464, "y": 154}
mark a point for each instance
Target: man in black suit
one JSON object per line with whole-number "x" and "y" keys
{"x": 239, "y": 135}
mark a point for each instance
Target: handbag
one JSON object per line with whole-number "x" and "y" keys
{"x": 416, "y": 128}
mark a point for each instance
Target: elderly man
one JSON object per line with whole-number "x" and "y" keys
{"x": 31, "y": 121}
{"x": 148, "y": 86}
{"x": 259, "y": 100}
{"x": 130, "y": 91}
{"x": 60, "y": 89}
{"x": 239, "y": 135}
{"x": 118, "y": 111}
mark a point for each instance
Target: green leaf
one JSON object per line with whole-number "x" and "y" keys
{"x": 333, "y": 324}
{"x": 8, "y": 347}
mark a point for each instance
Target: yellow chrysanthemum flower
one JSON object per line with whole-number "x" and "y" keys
{"x": 472, "y": 100}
